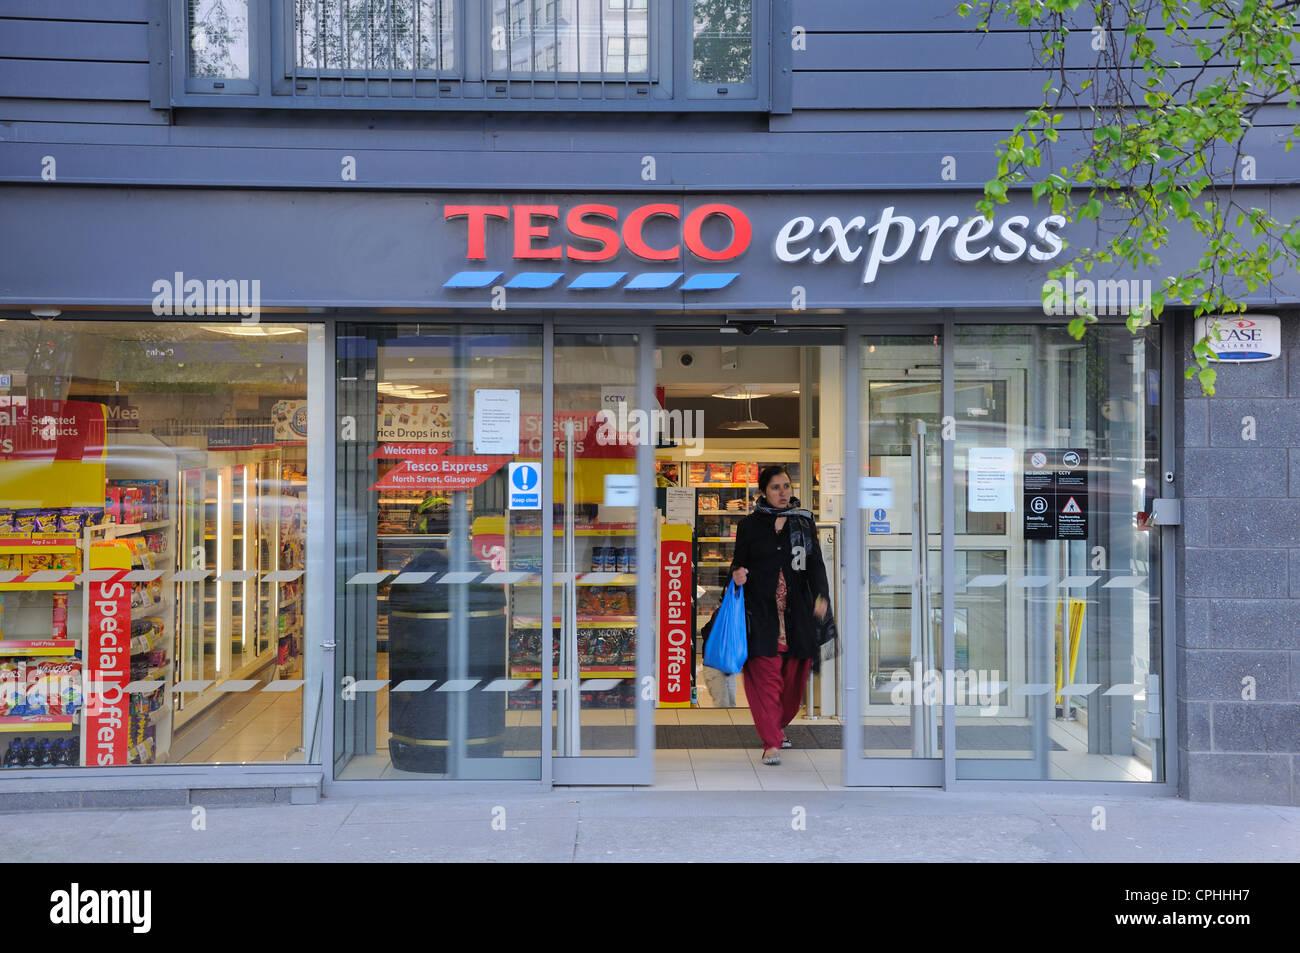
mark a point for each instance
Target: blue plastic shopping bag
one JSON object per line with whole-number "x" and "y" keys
{"x": 728, "y": 644}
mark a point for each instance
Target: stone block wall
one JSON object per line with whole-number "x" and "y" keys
{"x": 1238, "y": 594}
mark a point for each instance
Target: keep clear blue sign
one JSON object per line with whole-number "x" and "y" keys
{"x": 525, "y": 486}
{"x": 879, "y": 522}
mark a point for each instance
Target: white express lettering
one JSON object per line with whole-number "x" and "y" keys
{"x": 893, "y": 235}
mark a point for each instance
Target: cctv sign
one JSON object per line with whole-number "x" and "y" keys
{"x": 1240, "y": 338}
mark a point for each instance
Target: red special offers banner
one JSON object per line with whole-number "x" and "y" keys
{"x": 441, "y": 473}
{"x": 108, "y": 658}
{"x": 674, "y": 616}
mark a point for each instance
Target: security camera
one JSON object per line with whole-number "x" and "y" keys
{"x": 1169, "y": 476}
{"x": 686, "y": 359}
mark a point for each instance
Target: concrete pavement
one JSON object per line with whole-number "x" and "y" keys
{"x": 586, "y": 825}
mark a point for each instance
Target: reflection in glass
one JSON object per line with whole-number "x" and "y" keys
{"x": 900, "y": 419}
{"x": 723, "y": 41}
{"x": 1064, "y": 633}
{"x": 574, "y": 37}
{"x": 218, "y": 34}
{"x": 168, "y": 489}
{"x": 438, "y": 617}
{"x": 379, "y": 35}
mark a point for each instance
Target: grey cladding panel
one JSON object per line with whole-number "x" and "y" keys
{"x": 136, "y": 11}
{"x": 905, "y": 16}
{"x": 885, "y": 15}
{"x": 51, "y": 40}
{"x": 44, "y": 110}
{"x": 956, "y": 52}
{"x": 992, "y": 89}
{"x": 56, "y": 79}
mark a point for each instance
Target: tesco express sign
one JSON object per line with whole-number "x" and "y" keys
{"x": 594, "y": 232}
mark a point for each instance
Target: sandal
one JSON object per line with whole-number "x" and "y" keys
{"x": 785, "y": 742}
{"x": 771, "y": 758}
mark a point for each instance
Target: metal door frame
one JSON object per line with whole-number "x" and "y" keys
{"x": 860, "y": 770}
{"x": 639, "y": 768}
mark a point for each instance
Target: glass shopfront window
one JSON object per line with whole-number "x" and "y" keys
{"x": 1057, "y": 588}
{"x": 153, "y": 538}
{"x": 439, "y": 552}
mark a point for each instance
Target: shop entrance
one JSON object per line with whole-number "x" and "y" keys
{"x": 746, "y": 398}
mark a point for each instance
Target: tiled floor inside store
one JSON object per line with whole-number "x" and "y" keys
{"x": 269, "y": 728}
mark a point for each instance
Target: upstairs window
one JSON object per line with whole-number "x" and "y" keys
{"x": 394, "y": 54}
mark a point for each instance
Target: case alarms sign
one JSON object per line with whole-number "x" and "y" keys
{"x": 1242, "y": 339}
{"x": 1056, "y": 494}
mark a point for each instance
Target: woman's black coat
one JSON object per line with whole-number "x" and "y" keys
{"x": 763, "y": 552}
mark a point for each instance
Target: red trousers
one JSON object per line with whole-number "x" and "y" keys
{"x": 774, "y": 688}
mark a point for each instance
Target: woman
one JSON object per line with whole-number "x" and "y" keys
{"x": 779, "y": 563}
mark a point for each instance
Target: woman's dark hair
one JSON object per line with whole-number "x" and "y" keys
{"x": 765, "y": 477}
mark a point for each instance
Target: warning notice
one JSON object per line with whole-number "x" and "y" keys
{"x": 1056, "y": 494}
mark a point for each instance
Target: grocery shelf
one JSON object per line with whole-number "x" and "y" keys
{"x": 38, "y": 647}
{"x": 36, "y": 545}
{"x": 152, "y": 608}
{"x": 589, "y": 622}
{"x": 614, "y": 670}
{"x": 624, "y": 579}
{"x": 722, "y": 512}
{"x": 118, "y": 530}
{"x": 38, "y": 586}
{"x": 580, "y": 531}
{"x": 18, "y": 723}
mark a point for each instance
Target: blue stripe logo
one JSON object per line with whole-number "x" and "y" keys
{"x": 592, "y": 280}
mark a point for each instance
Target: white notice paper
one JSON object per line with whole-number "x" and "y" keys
{"x": 832, "y": 478}
{"x": 681, "y": 505}
{"x": 991, "y": 480}
{"x": 496, "y": 421}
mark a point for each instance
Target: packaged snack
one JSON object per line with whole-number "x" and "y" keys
{"x": 47, "y": 521}
{"x": 113, "y": 504}
{"x": 740, "y": 472}
{"x": 94, "y": 516}
{"x": 59, "y": 686}
{"x": 71, "y": 562}
{"x": 59, "y": 616}
{"x": 719, "y": 473}
{"x": 621, "y": 563}
{"x": 72, "y": 521}
{"x": 25, "y": 521}
{"x": 13, "y": 683}
{"x": 35, "y": 700}
{"x": 6, "y": 520}
{"x": 38, "y": 561}
{"x": 699, "y": 473}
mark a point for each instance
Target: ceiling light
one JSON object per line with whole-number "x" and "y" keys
{"x": 737, "y": 393}
{"x": 749, "y": 423}
{"x": 46, "y": 312}
{"x": 251, "y": 330}
{"x": 744, "y": 425}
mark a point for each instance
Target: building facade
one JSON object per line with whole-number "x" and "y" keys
{"x": 297, "y": 294}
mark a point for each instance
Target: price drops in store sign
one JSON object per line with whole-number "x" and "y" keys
{"x": 1056, "y": 494}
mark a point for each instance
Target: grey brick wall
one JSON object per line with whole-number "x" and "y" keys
{"x": 1239, "y": 579}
